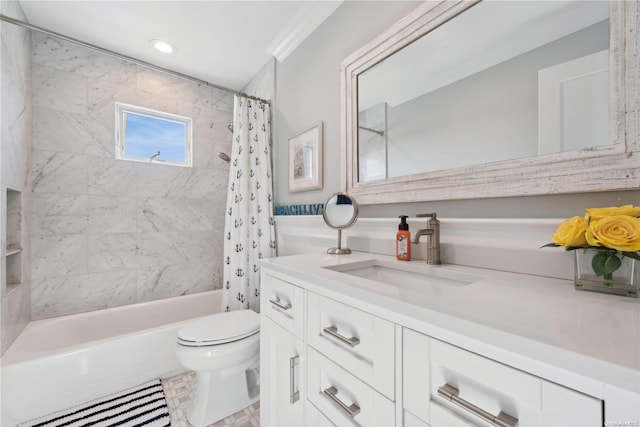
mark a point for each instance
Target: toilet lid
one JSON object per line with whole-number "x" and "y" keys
{"x": 220, "y": 328}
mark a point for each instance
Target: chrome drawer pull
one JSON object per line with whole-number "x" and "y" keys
{"x": 294, "y": 396}
{"x": 281, "y": 306}
{"x": 501, "y": 420}
{"x": 352, "y": 410}
{"x": 333, "y": 331}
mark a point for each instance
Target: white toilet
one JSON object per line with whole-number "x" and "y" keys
{"x": 224, "y": 351}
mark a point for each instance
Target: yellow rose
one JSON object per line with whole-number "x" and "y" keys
{"x": 599, "y": 213}
{"x": 571, "y": 233}
{"x": 619, "y": 232}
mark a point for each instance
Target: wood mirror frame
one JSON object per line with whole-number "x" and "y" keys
{"x": 615, "y": 166}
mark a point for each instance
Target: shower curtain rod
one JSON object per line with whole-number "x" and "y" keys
{"x": 125, "y": 57}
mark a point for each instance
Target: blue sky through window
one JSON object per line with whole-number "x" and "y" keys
{"x": 145, "y": 136}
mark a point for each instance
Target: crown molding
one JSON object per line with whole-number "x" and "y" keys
{"x": 300, "y": 26}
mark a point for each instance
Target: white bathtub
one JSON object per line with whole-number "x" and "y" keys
{"x": 60, "y": 362}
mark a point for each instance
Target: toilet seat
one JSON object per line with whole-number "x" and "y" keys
{"x": 220, "y": 328}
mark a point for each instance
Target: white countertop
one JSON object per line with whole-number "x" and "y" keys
{"x": 538, "y": 324}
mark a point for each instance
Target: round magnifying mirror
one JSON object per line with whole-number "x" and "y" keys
{"x": 340, "y": 212}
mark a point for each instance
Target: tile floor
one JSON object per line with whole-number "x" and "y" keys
{"x": 178, "y": 391}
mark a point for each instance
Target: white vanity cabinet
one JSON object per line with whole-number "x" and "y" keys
{"x": 415, "y": 377}
{"x": 282, "y": 354}
{"x": 315, "y": 418}
{"x": 359, "y": 342}
{"x": 446, "y": 385}
{"x": 333, "y": 355}
{"x": 342, "y": 397}
{"x": 351, "y": 363}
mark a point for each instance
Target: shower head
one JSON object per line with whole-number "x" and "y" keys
{"x": 224, "y": 156}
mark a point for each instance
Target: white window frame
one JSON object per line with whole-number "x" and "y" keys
{"x": 122, "y": 109}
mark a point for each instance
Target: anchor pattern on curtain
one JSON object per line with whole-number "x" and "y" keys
{"x": 249, "y": 223}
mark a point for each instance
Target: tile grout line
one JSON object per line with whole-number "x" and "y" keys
{"x": 178, "y": 390}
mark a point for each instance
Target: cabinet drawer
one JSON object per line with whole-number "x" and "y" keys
{"x": 283, "y": 303}
{"x": 361, "y": 343}
{"x": 343, "y": 398}
{"x": 411, "y": 420}
{"x": 315, "y": 418}
{"x": 441, "y": 416}
{"x": 494, "y": 388}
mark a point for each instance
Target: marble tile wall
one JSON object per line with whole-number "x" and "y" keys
{"x": 15, "y": 154}
{"x": 109, "y": 232}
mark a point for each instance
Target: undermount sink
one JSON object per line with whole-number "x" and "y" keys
{"x": 409, "y": 276}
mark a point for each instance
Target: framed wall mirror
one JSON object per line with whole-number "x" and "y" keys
{"x": 466, "y": 100}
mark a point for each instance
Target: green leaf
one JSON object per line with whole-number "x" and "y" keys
{"x": 605, "y": 263}
{"x": 549, "y": 245}
{"x": 634, "y": 255}
{"x": 568, "y": 248}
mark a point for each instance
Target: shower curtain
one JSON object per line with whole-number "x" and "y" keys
{"x": 249, "y": 232}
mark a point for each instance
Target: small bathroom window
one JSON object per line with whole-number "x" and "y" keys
{"x": 146, "y": 135}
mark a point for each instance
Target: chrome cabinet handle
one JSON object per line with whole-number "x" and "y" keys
{"x": 276, "y": 301}
{"x": 352, "y": 410}
{"x": 294, "y": 395}
{"x": 333, "y": 331}
{"x": 501, "y": 420}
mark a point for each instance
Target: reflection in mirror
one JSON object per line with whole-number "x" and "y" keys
{"x": 340, "y": 212}
{"x": 501, "y": 81}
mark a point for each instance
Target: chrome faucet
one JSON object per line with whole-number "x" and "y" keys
{"x": 433, "y": 237}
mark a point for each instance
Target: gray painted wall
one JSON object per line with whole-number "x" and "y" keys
{"x": 308, "y": 90}
{"x": 262, "y": 85}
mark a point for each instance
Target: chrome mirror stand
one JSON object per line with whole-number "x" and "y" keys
{"x": 340, "y": 212}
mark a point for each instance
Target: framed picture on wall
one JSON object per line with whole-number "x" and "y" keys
{"x": 305, "y": 159}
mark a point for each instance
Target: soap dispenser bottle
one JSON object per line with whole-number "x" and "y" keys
{"x": 403, "y": 240}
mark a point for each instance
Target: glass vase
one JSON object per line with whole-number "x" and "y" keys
{"x": 623, "y": 281}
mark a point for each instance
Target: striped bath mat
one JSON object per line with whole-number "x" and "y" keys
{"x": 143, "y": 405}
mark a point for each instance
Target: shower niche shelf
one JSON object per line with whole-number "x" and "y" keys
{"x": 13, "y": 239}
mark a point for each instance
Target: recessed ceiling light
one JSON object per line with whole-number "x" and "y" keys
{"x": 162, "y": 46}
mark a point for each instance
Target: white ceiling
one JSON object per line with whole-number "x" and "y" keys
{"x": 222, "y": 42}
